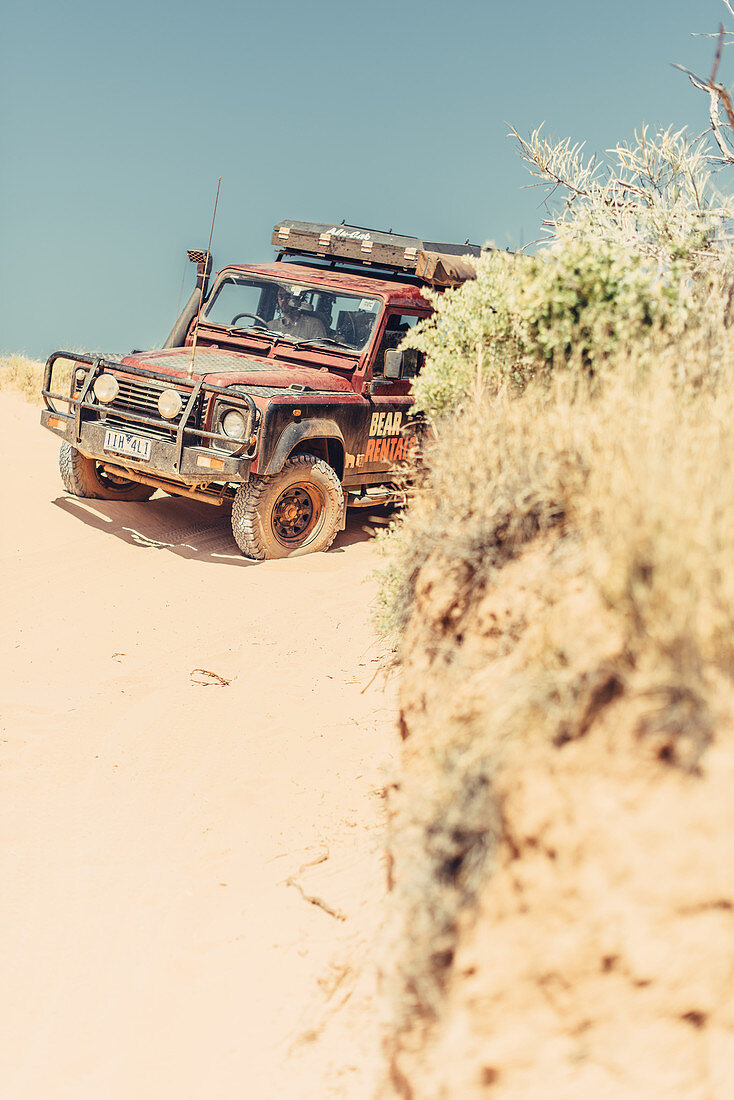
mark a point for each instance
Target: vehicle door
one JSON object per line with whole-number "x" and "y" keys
{"x": 388, "y": 434}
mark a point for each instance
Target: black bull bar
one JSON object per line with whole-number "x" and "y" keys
{"x": 184, "y": 429}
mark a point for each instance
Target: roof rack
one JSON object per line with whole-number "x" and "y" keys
{"x": 433, "y": 263}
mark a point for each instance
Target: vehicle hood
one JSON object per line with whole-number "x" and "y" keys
{"x": 227, "y": 368}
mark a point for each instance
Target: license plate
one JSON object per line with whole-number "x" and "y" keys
{"x": 125, "y": 444}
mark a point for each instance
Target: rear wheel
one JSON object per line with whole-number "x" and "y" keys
{"x": 294, "y": 512}
{"x": 84, "y": 477}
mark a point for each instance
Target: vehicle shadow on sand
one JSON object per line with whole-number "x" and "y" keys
{"x": 193, "y": 529}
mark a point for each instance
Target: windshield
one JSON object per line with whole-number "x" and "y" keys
{"x": 297, "y": 311}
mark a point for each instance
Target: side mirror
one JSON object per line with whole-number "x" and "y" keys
{"x": 393, "y": 364}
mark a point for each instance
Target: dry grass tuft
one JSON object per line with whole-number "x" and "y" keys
{"x": 637, "y": 467}
{"x": 490, "y": 489}
{"x": 21, "y": 375}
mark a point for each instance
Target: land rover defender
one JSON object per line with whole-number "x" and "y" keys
{"x": 282, "y": 389}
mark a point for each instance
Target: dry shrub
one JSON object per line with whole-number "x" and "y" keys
{"x": 657, "y": 518}
{"x": 637, "y": 465}
{"x": 21, "y": 375}
{"x": 491, "y": 485}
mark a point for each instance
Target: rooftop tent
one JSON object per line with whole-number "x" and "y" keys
{"x": 440, "y": 269}
{"x": 437, "y": 264}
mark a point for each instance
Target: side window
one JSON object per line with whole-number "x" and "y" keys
{"x": 398, "y": 325}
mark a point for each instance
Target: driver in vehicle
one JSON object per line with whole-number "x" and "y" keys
{"x": 296, "y": 319}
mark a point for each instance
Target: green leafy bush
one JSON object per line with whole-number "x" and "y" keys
{"x": 621, "y": 271}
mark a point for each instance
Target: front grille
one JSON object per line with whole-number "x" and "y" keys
{"x": 141, "y": 397}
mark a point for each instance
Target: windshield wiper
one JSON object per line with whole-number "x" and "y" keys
{"x": 326, "y": 340}
{"x": 259, "y": 329}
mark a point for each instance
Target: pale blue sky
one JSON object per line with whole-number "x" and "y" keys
{"x": 116, "y": 121}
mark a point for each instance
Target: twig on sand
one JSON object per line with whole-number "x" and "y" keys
{"x": 313, "y": 899}
{"x": 369, "y": 685}
{"x": 206, "y": 678}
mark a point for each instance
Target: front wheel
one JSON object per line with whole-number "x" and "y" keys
{"x": 294, "y": 512}
{"x": 83, "y": 477}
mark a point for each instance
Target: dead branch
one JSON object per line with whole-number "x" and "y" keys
{"x": 717, "y": 58}
{"x": 718, "y": 96}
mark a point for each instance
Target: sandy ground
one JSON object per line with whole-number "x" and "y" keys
{"x": 160, "y": 835}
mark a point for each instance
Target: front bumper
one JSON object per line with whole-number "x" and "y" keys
{"x": 189, "y": 456}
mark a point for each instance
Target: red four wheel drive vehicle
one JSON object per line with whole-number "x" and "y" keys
{"x": 281, "y": 388}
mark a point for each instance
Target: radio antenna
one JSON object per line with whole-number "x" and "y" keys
{"x": 203, "y": 281}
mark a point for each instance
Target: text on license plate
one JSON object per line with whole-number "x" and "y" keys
{"x": 125, "y": 444}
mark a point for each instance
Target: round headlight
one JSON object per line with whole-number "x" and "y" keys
{"x": 233, "y": 424}
{"x": 106, "y": 388}
{"x": 169, "y": 404}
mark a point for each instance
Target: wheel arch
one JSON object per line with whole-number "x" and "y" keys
{"x": 322, "y": 438}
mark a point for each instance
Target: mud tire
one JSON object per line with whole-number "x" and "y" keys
{"x": 294, "y": 512}
{"x": 83, "y": 477}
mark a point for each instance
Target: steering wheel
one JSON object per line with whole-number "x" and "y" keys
{"x": 348, "y": 329}
{"x": 256, "y": 316}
